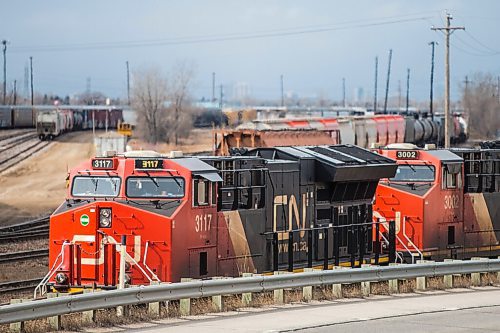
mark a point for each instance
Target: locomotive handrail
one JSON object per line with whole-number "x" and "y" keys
{"x": 321, "y": 228}
{"x": 42, "y": 286}
{"x": 30, "y": 310}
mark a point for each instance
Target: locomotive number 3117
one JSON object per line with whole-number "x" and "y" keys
{"x": 203, "y": 222}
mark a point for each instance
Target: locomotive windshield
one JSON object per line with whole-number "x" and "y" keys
{"x": 92, "y": 186}
{"x": 155, "y": 187}
{"x": 414, "y": 173}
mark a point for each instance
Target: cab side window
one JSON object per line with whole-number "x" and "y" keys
{"x": 452, "y": 176}
{"x": 201, "y": 192}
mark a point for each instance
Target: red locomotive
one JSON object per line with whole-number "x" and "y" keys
{"x": 444, "y": 202}
{"x": 142, "y": 217}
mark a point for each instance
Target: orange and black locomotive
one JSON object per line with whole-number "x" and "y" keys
{"x": 445, "y": 203}
{"x": 171, "y": 217}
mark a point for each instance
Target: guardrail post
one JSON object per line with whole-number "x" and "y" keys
{"x": 307, "y": 292}
{"x": 17, "y": 327}
{"x": 154, "y": 307}
{"x": 217, "y": 300}
{"x": 337, "y": 288}
{"x": 448, "y": 279}
{"x": 421, "y": 281}
{"x": 365, "y": 286}
{"x": 393, "y": 284}
{"x": 246, "y": 298}
{"x": 88, "y": 316}
{"x": 185, "y": 303}
{"x": 475, "y": 278}
{"x": 54, "y": 322}
{"x": 279, "y": 294}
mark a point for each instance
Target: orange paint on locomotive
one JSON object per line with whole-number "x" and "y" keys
{"x": 425, "y": 198}
{"x": 90, "y": 255}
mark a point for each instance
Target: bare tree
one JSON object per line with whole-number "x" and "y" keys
{"x": 149, "y": 99}
{"x": 181, "y": 80}
{"x": 482, "y": 105}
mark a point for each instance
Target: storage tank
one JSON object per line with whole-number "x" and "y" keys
{"x": 110, "y": 141}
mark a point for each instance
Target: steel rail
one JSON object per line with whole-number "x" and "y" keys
{"x": 204, "y": 288}
{"x": 16, "y": 141}
{"x": 25, "y": 236}
{"x": 14, "y": 286}
{"x": 43, "y": 221}
{"x": 30, "y": 150}
{"x": 23, "y": 255}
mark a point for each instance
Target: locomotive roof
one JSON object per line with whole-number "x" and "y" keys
{"x": 445, "y": 155}
{"x": 334, "y": 163}
{"x": 194, "y": 164}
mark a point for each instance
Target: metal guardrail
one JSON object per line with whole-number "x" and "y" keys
{"x": 146, "y": 294}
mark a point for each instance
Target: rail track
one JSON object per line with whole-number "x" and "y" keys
{"x": 23, "y": 255}
{"x": 21, "y": 285}
{"x": 34, "y": 229}
{"x": 18, "y": 146}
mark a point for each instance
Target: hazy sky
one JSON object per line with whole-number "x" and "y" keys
{"x": 313, "y": 43}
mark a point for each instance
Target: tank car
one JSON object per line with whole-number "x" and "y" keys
{"x": 443, "y": 201}
{"x": 168, "y": 218}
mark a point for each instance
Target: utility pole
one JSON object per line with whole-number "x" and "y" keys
{"x": 399, "y": 94}
{"x": 498, "y": 88}
{"x": 431, "y": 105}
{"x": 407, "y": 90}
{"x": 15, "y": 92}
{"x": 128, "y": 84}
{"x": 387, "y": 82}
{"x": 448, "y": 30}
{"x": 220, "y": 104}
{"x": 282, "y": 92}
{"x": 375, "y": 89}
{"x": 4, "y": 43}
{"x": 221, "y": 95}
{"x": 343, "y": 91}
{"x": 213, "y": 87}
{"x": 31, "y": 69}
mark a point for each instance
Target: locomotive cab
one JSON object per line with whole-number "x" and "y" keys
{"x": 140, "y": 201}
{"x": 425, "y": 199}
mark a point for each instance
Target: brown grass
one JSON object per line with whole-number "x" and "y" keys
{"x": 435, "y": 283}
{"x": 462, "y": 281}
{"x": 380, "y": 288}
{"x": 351, "y": 290}
{"x": 407, "y": 286}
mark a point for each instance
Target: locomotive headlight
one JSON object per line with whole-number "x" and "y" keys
{"x": 61, "y": 278}
{"x": 105, "y": 217}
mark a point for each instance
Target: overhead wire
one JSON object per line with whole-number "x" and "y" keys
{"x": 219, "y": 38}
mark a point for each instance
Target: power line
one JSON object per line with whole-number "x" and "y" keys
{"x": 213, "y": 38}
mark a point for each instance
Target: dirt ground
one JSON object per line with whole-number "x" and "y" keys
{"x": 36, "y": 187}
